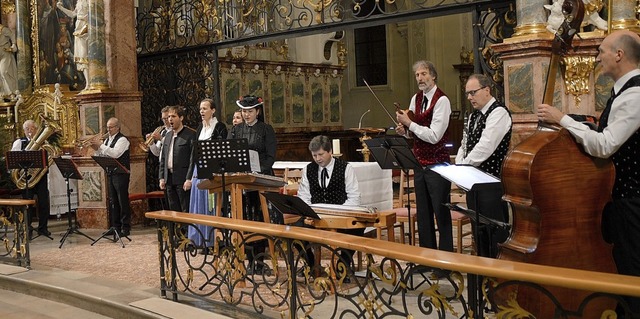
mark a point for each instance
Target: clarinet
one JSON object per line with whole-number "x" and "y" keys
{"x": 465, "y": 133}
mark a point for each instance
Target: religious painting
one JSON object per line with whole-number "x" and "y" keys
{"x": 90, "y": 186}
{"x": 55, "y": 48}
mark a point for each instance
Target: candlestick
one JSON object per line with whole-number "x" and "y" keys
{"x": 15, "y": 112}
{"x": 336, "y": 146}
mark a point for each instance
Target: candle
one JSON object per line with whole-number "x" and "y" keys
{"x": 8, "y": 112}
{"x": 336, "y": 146}
{"x": 15, "y": 112}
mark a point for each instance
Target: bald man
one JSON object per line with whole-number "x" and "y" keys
{"x": 617, "y": 137}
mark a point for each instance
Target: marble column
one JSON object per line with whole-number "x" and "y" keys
{"x": 23, "y": 41}
{"x": 97, "y": 53}
{"x": 532, "y": 18}
{"x": 623, "y": 15}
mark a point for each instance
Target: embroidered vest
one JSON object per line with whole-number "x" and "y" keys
{"x": 335, "y": 193}
{"x": 124, "y": 159}
{"x": 493, "y": 164}
{"x": 627, "y": 183}
{"x": 425, "y": 152}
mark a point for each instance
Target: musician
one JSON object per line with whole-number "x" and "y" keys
{"x": 485, "y": 144}
{"x": 432, "y": 110}
{"x": 41, "y": 189}
{"x": 237, "y": 117}
{"x": 176, "y": 158}
{"x": 617, "y": 137}
{"x": 156, "y": 148}
{"x": 209, "y": 129}
{"x": 329, "y": 180}
{"x": 117, "y": 146}
{"x": 262, "y": 139}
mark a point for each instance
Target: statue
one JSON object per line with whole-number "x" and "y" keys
{"x": 81, "y": 36}
{"x": 8, "y": 67}
{"x": 556, "y": 17}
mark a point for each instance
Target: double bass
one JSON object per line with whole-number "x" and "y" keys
{"x": 557, "y": 193}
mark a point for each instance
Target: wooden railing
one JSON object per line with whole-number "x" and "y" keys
{"x": 389, "y": 276}
{"x": 14, "y": 233}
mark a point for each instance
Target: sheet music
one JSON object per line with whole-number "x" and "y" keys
{"x": 464, "y": 176}
{"x": 254, "y": 159}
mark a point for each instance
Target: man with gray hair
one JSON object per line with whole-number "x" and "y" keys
{"x": 41, "y": 189}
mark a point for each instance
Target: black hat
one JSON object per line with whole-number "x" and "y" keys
{"x": 249, "y": 102}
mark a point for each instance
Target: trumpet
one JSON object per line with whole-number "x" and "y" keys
{"x": 86, "y": 142}
{"x": 149, "y": 141}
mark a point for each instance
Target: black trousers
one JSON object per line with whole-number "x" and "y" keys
{"x": 623, "y": 224}
{"x": 432, "y": 191}
{"x": 489, "y": 203}
{"x": 41, "y": 191}
{"x": 119, "y": 201}
{"x": 177, "y": 197}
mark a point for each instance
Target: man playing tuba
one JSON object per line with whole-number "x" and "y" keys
{"x": 40, "y": 189}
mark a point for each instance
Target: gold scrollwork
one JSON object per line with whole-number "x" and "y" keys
{"x": 577, "y": 70}
{"x": 8, "y": 7}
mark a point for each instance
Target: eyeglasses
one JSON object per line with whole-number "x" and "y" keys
{"x": 110, "y": 127}
{"x": 473, "y": 92}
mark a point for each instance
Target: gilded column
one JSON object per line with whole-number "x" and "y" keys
{"x": 623, "y": 15}
{"x": 97, "y": 52}
{"x": 23, "y": 41}
{"x": 532, "y": 18}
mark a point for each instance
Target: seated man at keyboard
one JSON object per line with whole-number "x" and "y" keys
{"x": 329, "y": 180}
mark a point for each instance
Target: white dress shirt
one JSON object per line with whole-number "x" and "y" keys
{"x": 440, "y": 121}
{"x": 351, "y": 184}
{"x": 121, "y": 146}
{"x": 497, "y": 125}
{"x": 624, "y": 121}
{"x": 17, "y": 145}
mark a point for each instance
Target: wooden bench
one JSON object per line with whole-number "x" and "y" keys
{"x": 138, "y": 215}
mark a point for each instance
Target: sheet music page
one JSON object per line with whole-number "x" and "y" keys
{"x": 464, "y": 176}
{"x": 343, "y": 208}
{"x": 255, "y": 161}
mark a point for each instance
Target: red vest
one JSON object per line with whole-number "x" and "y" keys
{"x": 425, "y": 152}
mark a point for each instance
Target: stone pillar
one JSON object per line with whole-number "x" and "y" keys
{"x": 623, "y": 15}
{"x": 23, "y": 39}
{"x": 97, "y": 53}
{"x": 532, "y": 18}
{"x": 113, "y": 92}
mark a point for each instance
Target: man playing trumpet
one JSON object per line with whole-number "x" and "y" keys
{"x": 158, "y": 136}
{"x": 117, "y": 146}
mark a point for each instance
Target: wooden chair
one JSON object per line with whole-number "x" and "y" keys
{"x": 459, "y": 220}
{"x": 402, "y": 213}
{"x": 292, "y": 177}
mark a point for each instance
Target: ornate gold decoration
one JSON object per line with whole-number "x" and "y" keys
{"x": 577, "y": 70}
{"x": 8, "y": 7}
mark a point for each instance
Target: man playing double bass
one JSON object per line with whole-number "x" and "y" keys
{"x": 617, "y": 137}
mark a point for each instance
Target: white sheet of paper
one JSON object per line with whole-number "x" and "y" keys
{"x": 254, "y": 158}
{"x": 464, "y": 176}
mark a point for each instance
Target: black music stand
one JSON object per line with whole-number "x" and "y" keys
{"x": 26, "y": 160}
{"x": 394, "y": 153}
{"x": 471, "y": 179}
{"x": 69, "y": 170}
{"x": 111, "y": 166}
{"x": 221, "y": 157}
{"x": 289, "y": 204}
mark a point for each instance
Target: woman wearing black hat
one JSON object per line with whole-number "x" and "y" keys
{"x": 262, "y": 139}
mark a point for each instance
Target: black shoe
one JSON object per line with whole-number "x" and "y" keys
{"x": 125, "y": 233}
{"x": 44, "y": 232}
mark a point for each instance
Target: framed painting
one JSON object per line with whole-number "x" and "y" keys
{"x": 52, "y": 36}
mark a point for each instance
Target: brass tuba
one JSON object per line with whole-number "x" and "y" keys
{"x": 39, "y": 141}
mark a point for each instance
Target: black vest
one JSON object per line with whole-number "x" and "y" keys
{"x": 25, "y": 142}
{"x": 493, "y": 164}
{"x": 627, "y": 183}
{"x": 124, "y": 159}
{"x": 335, "y": 193}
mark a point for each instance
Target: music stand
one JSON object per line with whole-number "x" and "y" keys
{"x": 289, "y": 204}
{"x": 394, "y": 153}
{"x": 221, "y": 157}
{"x": 69, "y": 170}
{"x": 111, "y": 166}
{"x": 26, "y": 160}
{"x": 471, "y": 179}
